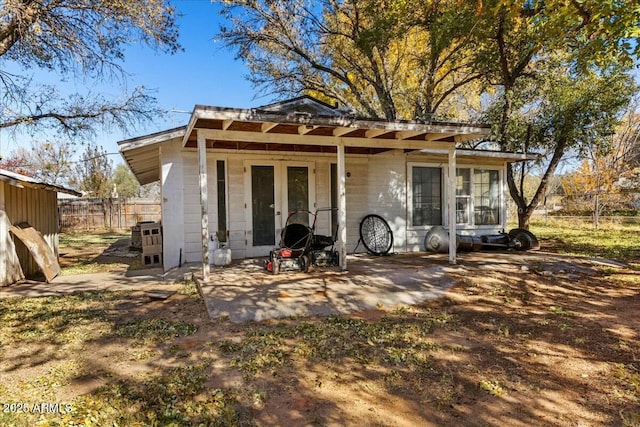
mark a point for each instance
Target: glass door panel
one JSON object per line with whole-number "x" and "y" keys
{"x": 263, "y": 205}
{"x": 298, "y": 192}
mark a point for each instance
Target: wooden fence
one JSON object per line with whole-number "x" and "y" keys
{"x": 100, "y": 214}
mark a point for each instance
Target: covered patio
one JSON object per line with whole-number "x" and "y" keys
{"x": 246, "y": 292}
{"x": 316, "y": 128}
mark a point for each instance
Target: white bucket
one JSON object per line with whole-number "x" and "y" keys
{"x": 221, "y": 257}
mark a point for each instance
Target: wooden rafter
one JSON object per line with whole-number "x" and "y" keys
{"x": 266, "y": 127}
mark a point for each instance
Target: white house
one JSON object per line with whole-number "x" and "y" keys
{"x": 238, "y": 172}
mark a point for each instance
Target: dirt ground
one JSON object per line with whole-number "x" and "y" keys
{"x": 546, "y": 344}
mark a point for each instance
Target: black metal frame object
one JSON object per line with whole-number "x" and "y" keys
{"x": 376, "y": 235}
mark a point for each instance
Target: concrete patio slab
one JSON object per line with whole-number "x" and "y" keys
{"x": 246, "y": 292}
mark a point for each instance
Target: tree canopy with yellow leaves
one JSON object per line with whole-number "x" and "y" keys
{"x": 554, "y": 73}
{"x": 388, "y": 59}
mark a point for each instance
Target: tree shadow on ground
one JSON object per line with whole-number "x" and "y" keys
{"x": 548, "y": 344}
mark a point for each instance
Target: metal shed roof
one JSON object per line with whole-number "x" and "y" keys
{"x": 21, "y": 181}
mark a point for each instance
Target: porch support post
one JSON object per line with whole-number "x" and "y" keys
{"x": 204, "y": 204}
{"x": 452, "y": 205}
{"x": 342, "y": 208}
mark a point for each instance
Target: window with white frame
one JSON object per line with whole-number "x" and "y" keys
{"x": 477, "y": 196}
{"x": 463, "y": 196}
{"x": 426, "y": 186}
{"x": 486, "y": 196}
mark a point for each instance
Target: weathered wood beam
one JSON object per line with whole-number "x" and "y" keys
{"x": 266, "y": 127}
{"x": 372, "y": 133}
{"x": 226, "y": 124}
{"x": 280, "y": 138}
{"x": 342, "y": 131}
{"x": 436, "y": 136}
{"x": 408, "y": 134}
{"x": 304, "y": 129}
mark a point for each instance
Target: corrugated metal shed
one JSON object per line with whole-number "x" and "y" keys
{"x": 24, "y": 199}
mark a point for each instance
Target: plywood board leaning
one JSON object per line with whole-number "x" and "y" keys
{"x": 39, "y": 249}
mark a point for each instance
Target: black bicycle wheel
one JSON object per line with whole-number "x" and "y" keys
{"x": 376, "y": 234}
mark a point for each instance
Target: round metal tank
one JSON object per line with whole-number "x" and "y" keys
{"x": 437, "y": 240}
{"x": 469, "y": 243}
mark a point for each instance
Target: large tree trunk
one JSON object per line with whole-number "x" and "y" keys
{"x": 525, "y": 210}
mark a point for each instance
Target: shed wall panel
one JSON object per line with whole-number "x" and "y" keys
{"x": 10, "y": 270}
{"x": 37, "y": 207}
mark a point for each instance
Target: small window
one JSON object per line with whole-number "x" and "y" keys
{"x": 427, "y": 196}
{"x": 486, "y": 196}
{"x": 334, "y": 199}
{"x": 463, "y": 196}
{"x": 222, "y": 201}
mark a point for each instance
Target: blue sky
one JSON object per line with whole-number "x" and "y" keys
{"x": 205, "y": 73}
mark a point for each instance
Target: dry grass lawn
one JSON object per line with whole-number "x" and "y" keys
{"x": 535, "y": 345}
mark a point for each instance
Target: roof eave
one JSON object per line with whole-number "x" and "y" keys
{"x": 21, "y": 183}
{"x": 256, "y": 115}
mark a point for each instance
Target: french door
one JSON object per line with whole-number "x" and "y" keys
{"x": 272, "y": 189}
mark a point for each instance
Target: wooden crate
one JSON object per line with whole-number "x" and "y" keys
{"x": 151, "y": 234}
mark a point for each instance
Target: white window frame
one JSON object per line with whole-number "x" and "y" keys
{"x": 501, "y": 196}
{"x": 445, "y": 195}
{"x": 443, "y": 192}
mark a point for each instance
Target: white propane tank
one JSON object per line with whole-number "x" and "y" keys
{"x": 222, "y": 257}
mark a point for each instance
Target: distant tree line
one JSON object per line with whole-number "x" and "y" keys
{"x": 92, "y": 173}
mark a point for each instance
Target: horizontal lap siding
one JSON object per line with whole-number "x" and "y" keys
{"x": 173, "y": 239}
{"x": 388, "y": 195}
{"x": 236, "y": 209}
{"x": 357, "y": 199}
{"x": 377, "y": 185}
{"x": 192, "y": 213}
{"x": 323, "y": 196}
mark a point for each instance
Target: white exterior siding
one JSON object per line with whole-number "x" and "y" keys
{"x": 323, "y": 195}
{"x": 172, "y": 178}
{"x": 388, "y": 193}
{"x": 377, "y": 184}
{"x": 236, "y": 218}
{"x": 357, "y": 199}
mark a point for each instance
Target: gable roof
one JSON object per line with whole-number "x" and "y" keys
{"x": 303, "y": 105}
{"x": 22, "y": 181}
{"x": 142, "y": 153}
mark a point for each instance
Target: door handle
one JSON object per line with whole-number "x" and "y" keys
{"x": 278, "y": 213}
